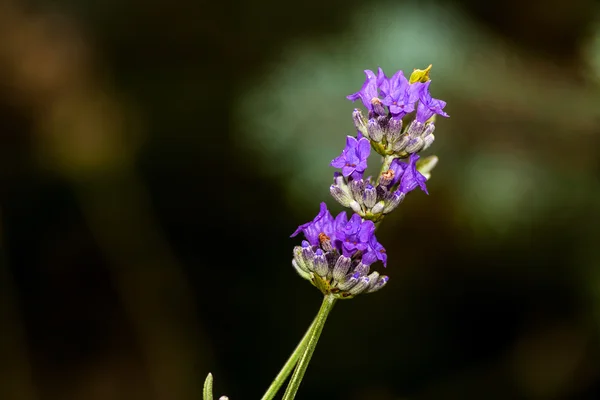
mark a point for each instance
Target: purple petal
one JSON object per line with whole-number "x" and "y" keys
{"x": 361, "y": 166}
{"x": 368, "y": 90}
{"x": 397, "y": 111}
{"x": 347, "y": 170}
{"x": 341, "y": 220}
{"x": 381, "y": 78}
{"x": 339, "y": 161}
{"x": 415, "y": 91}
{"x": 377, "y": 250}
{"x": 398, "y": 167}
{"x": 423, "y": 113}
{"x": 351, "y": 225}
{"x": 300, "y": 229}
{"x": 366, "y": 231}
{"x": 322, "y": 213}
{"x": 429, "y": 106}
{"x": 369, "y": 257}
{"x": 363, "y": 148}
{"x": 323, "y": 223}
{"x": 397, "y": 82}
{"x": 357, "y": 175}
{"x": 353, "y": 96}
{"x": 411, "y": 178}
{"x": 351, "y": 143}
{"x": 438, "y": 106}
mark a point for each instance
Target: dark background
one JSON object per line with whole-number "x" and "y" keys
{"x": 156, "y": 155}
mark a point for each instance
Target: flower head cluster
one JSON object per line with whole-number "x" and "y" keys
{"x": 373, "y": 199}
{"x": 390, "y": 103}
{"x": 338, "y": 252}
{"x": 394, "y": 102}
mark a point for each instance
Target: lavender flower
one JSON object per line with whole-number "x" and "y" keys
{"x": 397, "y": 169}
{"x": 355, "y": 235}
{"x": 411, "y": 177}
{"x": 337, "y": 253}
{"x": 407, "y": 175}
{"x": 353, "y": 160}
{"x": 376, "y": 252}
{"x": 323, "y": 224}
{"x": 373, "y": 200}
{"x": 392, "y": 101}
{"x": 368, "y": 94}
{"x": 400, "y": 96}
{"x": 428, "y": 106}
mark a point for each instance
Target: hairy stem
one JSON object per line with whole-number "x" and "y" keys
{"x": 315, "y": 333}
{"x": 289, "y": 365}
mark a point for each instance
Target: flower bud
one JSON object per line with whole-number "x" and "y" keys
{"x": 339, "y": 180}
{"x": 375, "y": 130}
{"x": 378, "y": 107}
{"x": 357, "y": 188}
{"x": 340, "y": 191}
{"x": 429, "y": 128}
{"x": 373, "y": 287}
{"x": 362, "y": 269}
{"x": 360, "y": 122}
{"x": 415, "y": 129}
{"x": 393, "y": 201}
{"x": 394, "y": 130}
{"x": 428, "y": 141}
{"x": 369, "y": 196}
{"x": 349, "y": 282}
{"x": 299, "y": 258}
{"x": 414, "y": 145}
{"x": 356, "y": 207}
{"x": 341, "y": 267}
{"x": 360, "y": 287}
{"x": 320, "y": 263}
{"x": 373, "y": 278}
{"x": 378, "y": 208}
{"x": 341, "y": 196}
{"x": 401, "y": 143}
{"x": 302, "y": 272}
{"x": 308, "y": 255}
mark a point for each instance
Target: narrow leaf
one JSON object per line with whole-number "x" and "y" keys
{"x": 208, "y": 387}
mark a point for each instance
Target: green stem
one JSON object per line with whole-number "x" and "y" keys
{"x": 315, "y": 333}
{"x": 289, "y": 365}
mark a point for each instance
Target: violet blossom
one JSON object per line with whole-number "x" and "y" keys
{"x": 353, "y": 159}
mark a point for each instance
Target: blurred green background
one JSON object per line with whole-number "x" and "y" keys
{"x": 156, "y": 155}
